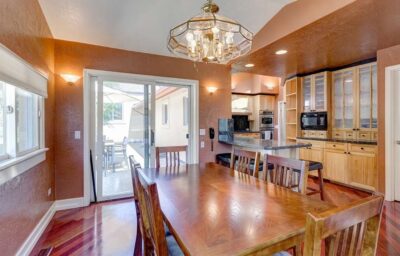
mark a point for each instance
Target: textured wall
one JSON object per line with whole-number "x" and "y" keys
{"x": 71, "y": 57}
{"x": 24, "y": 200}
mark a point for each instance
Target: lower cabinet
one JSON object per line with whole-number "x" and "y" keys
{"x": 363, "y": 170}
{"x": 352, "y": 164}
{"x": 335, "y": 166}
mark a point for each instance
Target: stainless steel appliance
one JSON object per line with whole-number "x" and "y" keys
{"x": 267, "y": 134}
{"x": 314, "y": 121}
{"x": 266, "y": 120}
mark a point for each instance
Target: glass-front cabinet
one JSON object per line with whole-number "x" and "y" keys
{"x": 315, "y": 98}
{"x": 355, "y": 102}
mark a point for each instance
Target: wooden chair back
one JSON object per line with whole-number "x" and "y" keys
{"x": 244, "y": 161}
{"x": 350, "y": 230}
{"x": 172, "y": 155}
{"x": 133, "y": 164}
{"x": 149, "y": 203}
{"x": 286, "y": 172}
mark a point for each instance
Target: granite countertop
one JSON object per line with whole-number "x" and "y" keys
{"x": 246, "y": 132}
{"x": 264, "y": 144}
{"x": 354, "y": 141}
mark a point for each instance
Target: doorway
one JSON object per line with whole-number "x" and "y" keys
{"x": 130, "y": 115}
{"x": 392, "y": 133}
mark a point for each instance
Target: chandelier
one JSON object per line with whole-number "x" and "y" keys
{"x": 209, "y": 37}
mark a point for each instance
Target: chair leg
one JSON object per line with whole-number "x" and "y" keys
{"x": 321, "y": 184}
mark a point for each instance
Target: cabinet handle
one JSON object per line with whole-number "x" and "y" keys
{"x": 362, "y": 148}
{"x": 334, "y": 146}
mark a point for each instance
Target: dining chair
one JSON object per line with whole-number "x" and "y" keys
{"x": 349, "y": 230}
{"x": 245, "y": 161}
{"x": 156, "y": 240}
{"x": 172, "y": 155}
{"x": 286, "y": 172}
{"x": 134, "y": 166}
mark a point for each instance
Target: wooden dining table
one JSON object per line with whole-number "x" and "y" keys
{"x": 213, "y": 210}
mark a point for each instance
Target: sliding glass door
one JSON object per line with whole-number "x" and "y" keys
{"x": 131, "y": 118}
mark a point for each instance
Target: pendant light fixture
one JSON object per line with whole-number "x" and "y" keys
{"x": 210, "y": 37}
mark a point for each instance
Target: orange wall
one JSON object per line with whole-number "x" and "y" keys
{"x": 24, "y": 200}
{"x": 73, "y": 57}
{"x": 385, "y": 58}
{"x": 293, "y": 17}
{"x": 251, "y": 83}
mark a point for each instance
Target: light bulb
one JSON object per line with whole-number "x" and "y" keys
{"x": 215, "y": 30}
{"x": 189, "y": 37}
{"x": 229, "y": 37}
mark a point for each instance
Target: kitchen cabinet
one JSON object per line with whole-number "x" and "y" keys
{"x": 354, "y": 94}
{"x": 362, "y": 163}
{"x": 293, "y": 107}
{"x": 253, "y": 135}
{"x": 335, "y": 164}
{"x": 347, "y": 163}
{"x": 315, "y": 92}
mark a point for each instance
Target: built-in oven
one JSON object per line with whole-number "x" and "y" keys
{"x": 266, "y": 120}
{"x": 314, "y": 121}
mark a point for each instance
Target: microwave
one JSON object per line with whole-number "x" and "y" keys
{"x": 314, "y": 121}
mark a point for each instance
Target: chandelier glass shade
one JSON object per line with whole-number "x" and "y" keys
{"x": 210, "y": 37}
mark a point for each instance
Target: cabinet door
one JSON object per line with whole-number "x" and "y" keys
{"x": 348, "y": 99}
{"x": 307, "y": 104}
{"x": 316, "y": 155}
{"x": 335, "y": 165}
{"x": 338, "y": 100}
{"x": 362, "y": 170}
{"x": 319, "y": 97}
{"x": 304, "y": 154}
{"x": 365, "y": 98}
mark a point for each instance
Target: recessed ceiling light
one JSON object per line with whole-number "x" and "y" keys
{"x": 280, "y": 52}
{"x": 249, "y": 65}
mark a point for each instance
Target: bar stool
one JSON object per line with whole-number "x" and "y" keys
{"x": 314, "y": 166}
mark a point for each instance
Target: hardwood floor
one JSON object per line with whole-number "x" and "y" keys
{"x": 110, "y": 228}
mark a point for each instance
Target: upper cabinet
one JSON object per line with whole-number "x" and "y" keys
{"x": 315, "y": 92}
{"x": 354, "y": 94}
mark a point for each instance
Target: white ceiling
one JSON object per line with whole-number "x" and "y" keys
{"x": 143, "y": 25}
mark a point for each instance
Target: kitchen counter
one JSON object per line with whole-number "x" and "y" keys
{"x": 260, "y": 144}
{"x": 354, "y": 141}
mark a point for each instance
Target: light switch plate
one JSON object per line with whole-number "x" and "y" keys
{"x": 77, "y": 135}
{"x": 202, "y": 132}
{"x": 202, "y": 144}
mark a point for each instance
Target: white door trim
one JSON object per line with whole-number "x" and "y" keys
{"x": 391, "y": 174}
{"x": 194, "y": 99}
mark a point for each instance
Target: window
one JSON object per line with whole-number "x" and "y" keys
{"x": 185, "y": 111}
{"x": 164, "y": 118}
{"x": 112, "y": 112}
{"x": 19, "y": 121}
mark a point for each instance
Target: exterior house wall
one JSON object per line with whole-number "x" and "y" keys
{"x": 174, "y": 133}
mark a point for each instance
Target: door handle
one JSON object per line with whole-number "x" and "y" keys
{"x": 398, "y": 142}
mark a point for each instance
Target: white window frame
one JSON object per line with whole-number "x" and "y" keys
{"x": 20, "y": 74}
{"x": 165, "y": 124}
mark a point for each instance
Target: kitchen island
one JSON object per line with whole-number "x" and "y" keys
{"x": 271, "y": 147}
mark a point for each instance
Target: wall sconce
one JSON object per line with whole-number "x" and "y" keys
{"x": 70, "y": 79}
{"x": 212, "y": 89}
{"x": 270, "y": 86}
